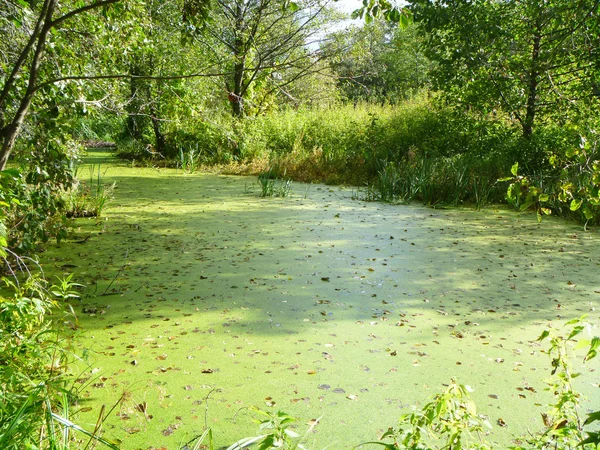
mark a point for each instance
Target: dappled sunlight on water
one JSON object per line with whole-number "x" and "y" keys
{"x": 318, "y": 305}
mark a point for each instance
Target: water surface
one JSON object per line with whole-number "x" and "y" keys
{"x": 203, "y": 299}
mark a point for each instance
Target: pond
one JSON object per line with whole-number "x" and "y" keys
{"x": 204, "y": 299}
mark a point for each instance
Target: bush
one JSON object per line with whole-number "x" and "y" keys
{"x": 570, "y": 187}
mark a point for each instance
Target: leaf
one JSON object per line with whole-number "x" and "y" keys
{"x": 515, "y": 169}
{"x": 592, "y": 418}
{"x": 575, "y": 204}
{"x": 543, "y": 336}
{"x": 576, "y": 330}
{"x": 593, "y": 438}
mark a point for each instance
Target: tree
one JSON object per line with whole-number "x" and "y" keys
{"x": 260, "y": 43}
{"x": 533, "y": 59}
{"x": 22, "y": 69}
{"x": 379, "y": 61}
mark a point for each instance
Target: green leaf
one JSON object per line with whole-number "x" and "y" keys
{"x": 405, "y": 20}
{"x": 576, "y": 204}
{"x": 574, "y": 321}
{"x": 514, "y": 169}
{"x": 587, "y": 212}
{"x": 11, "y": 172}
{"x": 592, "y": 353}
{"x": 543, "y": 336}
{"x": 572, "y": 152}
{"x": 592, "y": 418}
{"x": 576, "y": 330}
{"x": 393, "y": 15}
{"x": 593, "y": 438}
{"x": 92, "y": 435}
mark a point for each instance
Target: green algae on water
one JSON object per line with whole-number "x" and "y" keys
{"x": 203, "y": 299}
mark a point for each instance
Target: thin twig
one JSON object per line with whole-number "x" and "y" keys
{"x": 117, "y": 274}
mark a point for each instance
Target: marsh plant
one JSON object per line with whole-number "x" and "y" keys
{"x": 564, "y": 423}
{"x": 448, "y": 421}
{"x": 189, "y": 161}
{"x": 271, "y": 185}
{"x": 88, "y": 198}
{"x": 435, "y": 182}
{"x": 572, "y": 191}
{"x": 276, "y": 431}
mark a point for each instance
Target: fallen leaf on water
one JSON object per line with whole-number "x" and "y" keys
{"x": 142, "y": 407}
{"x": 170, "y": 429}
{"x": 352, "y": 397}
{"x": 207, "y": 371}
{"x": 324, "y": 387}
{"x": 501, "y": 422}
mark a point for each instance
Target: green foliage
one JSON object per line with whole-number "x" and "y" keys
{"x": 571, "y": 188}
{"x": 276, "y": 432}
{"x": 513, "y": 57}
{"x": 189, "y": 161}
{"x": 33, "y": 207}
{"x": 65, "y": 289}
{"x": 272, "y": 185}
{"x": 378, "y": 62}
{"x": 442, "y": 181}
{"x": 564, "y": 427}
{"x": 449, "y": 421}
{"x": 36, "y": 388}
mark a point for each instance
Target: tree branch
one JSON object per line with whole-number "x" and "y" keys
{"x": 83, "y": 9}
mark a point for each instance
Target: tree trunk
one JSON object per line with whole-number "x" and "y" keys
{"x": 160, "y": 142}
{"x": 239, "y": 67}
{"x": 534, "y": 74}
{"x": 238, "y": 84}
{"x": 10, "y": 131}
{"x": 135, "y": 122}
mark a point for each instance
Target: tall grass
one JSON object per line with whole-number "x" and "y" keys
{"x": 36, "y": 388}
{"x": 442, "y": 181}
